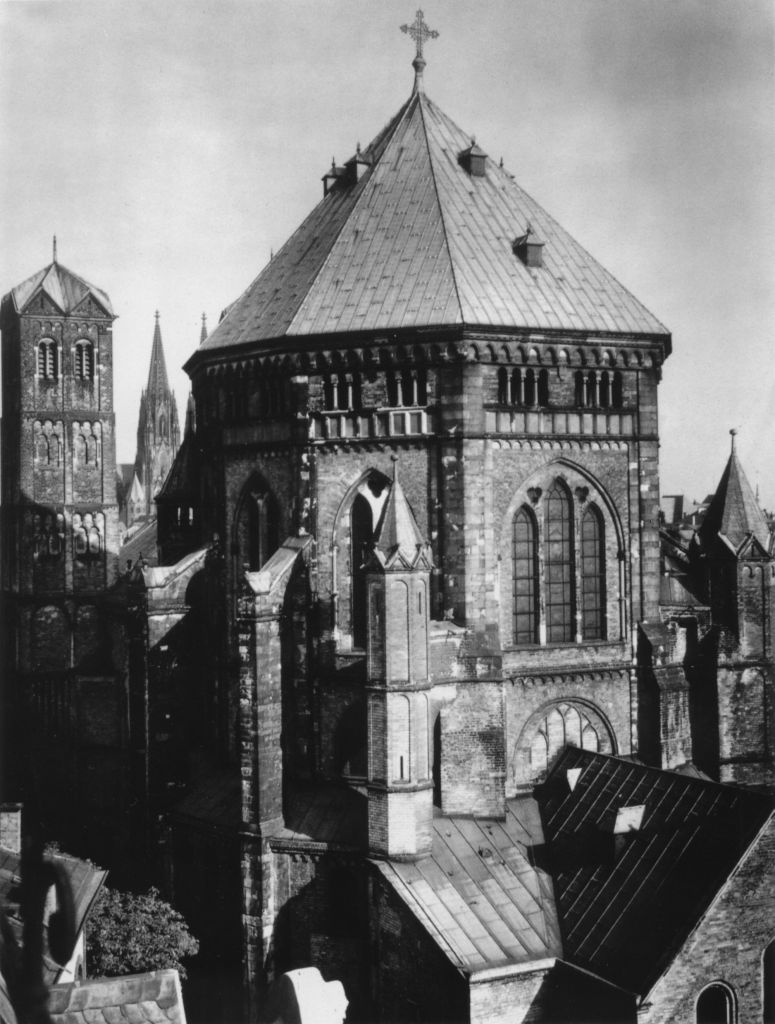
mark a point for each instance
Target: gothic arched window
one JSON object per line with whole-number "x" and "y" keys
{"x": 716, "y": 1005}
{"x": 361, "y": 533}
{"x": 48, "y": 359}
{"x": 261, "y": 530}
{"x": 581, "y": 391}
{"x": 592, "y": 575}
{"x": 83, "y": 363}
{"x": 558, "y": 564}
{"x": 525, "y": 578}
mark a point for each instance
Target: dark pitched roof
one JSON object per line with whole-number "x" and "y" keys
{"x": 182, "y": 480}
{"x": 417, "y": 242}
{"x": 734, "y": 514}
{"x": 155, "y": 998}
{"x": 624, "y": 914}
{"x": 66, "y": 290}
{"x": 479, "y": 894}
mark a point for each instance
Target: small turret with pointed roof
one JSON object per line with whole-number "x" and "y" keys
{"x": 398, "y": 544}
{"x": 734, "y": 515}
{"x": 400, "y": 788}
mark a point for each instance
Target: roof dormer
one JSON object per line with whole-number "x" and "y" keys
{"x": 472, "y": 160}
{"x": 529, "y": 248}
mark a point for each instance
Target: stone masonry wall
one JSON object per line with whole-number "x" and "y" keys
{"x": 727, "y": 946}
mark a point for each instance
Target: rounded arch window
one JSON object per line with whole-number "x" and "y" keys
{"x": 48, "y": 359}
{"x": 716, "y": 1005}
{"x": 83, "y": 359}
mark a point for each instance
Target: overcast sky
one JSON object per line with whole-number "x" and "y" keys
{"x": 171, "y": 146}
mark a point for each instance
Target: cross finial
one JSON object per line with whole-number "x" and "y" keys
{"x": 419, "y": 31}
{"x": 55, "y": 248}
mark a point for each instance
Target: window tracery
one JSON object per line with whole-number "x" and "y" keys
{"x": 564, "y": 724}
{"x": 561, "y": 566}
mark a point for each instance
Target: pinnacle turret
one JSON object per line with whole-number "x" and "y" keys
{"x": 734, "y": 513}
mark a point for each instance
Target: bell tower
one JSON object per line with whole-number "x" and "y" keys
{"x": 59, "y": 523}
{"x": 398, "y": 680}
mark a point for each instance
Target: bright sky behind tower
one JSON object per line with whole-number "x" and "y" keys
{"x": 171, "y": 146}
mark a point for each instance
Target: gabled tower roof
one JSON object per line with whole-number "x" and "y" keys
{"x": 418, "y": 241}
{"x": 158, "y": 382}
{"x": 734, "y": 514}
{"x": 66, "y": 290}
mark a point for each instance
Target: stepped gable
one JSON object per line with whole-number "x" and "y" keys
{"x": 418, "y": 240}
{"x": 64, "y": 288}
{"x": 734, "y": 514}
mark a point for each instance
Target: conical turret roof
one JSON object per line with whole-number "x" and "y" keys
{"x": 417, "y": 241}
{"x": 734, "y": 513}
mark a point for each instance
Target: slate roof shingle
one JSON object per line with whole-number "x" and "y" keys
{"x": 154, "y": 998}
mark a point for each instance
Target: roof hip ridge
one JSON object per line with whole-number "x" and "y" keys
{"x": 398, "y": 121}
{"x": 423, "y": 97}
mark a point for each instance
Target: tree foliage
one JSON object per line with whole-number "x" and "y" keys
{"x": 130, "y": 934}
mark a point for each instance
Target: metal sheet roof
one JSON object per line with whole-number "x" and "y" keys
{"x": 419, "y": 242}
{"x": 478, "y": 894}
{"x": 624, "y": 912}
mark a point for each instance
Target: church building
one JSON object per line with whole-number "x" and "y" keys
{"x": 424, "y": 692}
